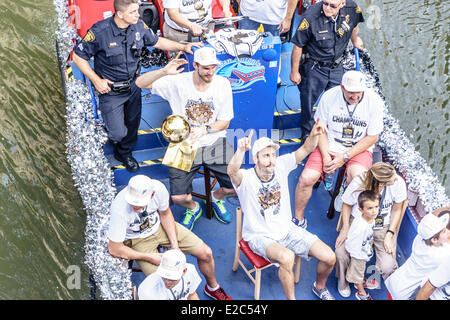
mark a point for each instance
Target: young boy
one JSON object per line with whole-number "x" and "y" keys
{"x": 360, "y": 241}
{"x": 173, "y": 280}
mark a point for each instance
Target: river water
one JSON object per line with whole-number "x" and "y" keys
{"x": 41, "y": 215}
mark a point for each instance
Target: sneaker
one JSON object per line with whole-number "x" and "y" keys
{"x": 338, "y": 203}
{"x": 346, "y": 292}
{"x": 219, "y": 294}
{"x": 323, "y": 294}
{"x": 303, "y": 224}
{"x": 220, "y": 212}
{"x": 370, "y": 285}
{"x": 191, "y": 216}
{"x": 361, "y": 297}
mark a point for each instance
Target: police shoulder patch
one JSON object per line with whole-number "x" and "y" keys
{"x": 89, "y": 37}
{"x": 304, "y": 24}
{"x": 358, "y": 9}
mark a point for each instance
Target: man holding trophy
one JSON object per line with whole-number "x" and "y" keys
{"x": 205, "y": 100}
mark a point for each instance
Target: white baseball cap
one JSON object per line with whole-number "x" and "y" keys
{"x": 431, "y": 225}
{"x": 354, "y": 81}
{"x": 262, "y": 143}
{"x": 205, "y": 56}
{"x": 139, "y": 190}
{"x": 173, "y": 263}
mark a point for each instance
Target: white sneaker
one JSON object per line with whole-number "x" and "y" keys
{"x": 346, "y": 292}
{"x": 338, "y": 203}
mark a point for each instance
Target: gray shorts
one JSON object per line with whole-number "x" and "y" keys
{"x": 215, "y": 157}
{"x": 297, "y": 239}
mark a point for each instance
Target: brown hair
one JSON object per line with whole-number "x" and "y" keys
{"x": 380, "y": 172}
{"x": 122, "y": 5}
{"x": 367, "y": 195}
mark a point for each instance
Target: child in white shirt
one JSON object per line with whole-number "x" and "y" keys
{"x": 359, "y": 243}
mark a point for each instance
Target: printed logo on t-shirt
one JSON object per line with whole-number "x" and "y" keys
{"x": 143, "y": 221}
{"x": 199, "y": 112}
{"x": 269, "y": 198}
{"x": 367, "y": 246}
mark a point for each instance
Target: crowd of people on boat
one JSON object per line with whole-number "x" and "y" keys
{"x": 342, "y": 132}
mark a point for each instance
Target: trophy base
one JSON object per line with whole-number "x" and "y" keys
{"x": 180, "y": 155}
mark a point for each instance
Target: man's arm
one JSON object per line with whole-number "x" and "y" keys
{"x": 198, "y": 132}
{"x": 311, "y": 142}
{"x": 100, "y": 84}
{"x": 169, "y": 45}
{"x": 119, "y": 250}
{"x": 173, "y": 67}
{"x": 234, "y": 167}
{"x": 168, "y": 224}
{"x": 426, "y": 291}
{"x": 356, "y": 40}
{"x": 226, "y": 8}
{"x": 285, "y": 24}
{"x": 182, "y": 21}
{"x": 296, "y": 55}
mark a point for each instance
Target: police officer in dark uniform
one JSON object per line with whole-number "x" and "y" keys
{"x": 321, "y": 39}
{"x": 116, "y": 44}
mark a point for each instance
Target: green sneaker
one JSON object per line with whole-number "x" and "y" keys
{"x": 191, "y": 216}
{"x": 220, "y": 212}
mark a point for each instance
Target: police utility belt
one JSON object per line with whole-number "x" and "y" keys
{"x": 125, "y": 85}
{"x": 330, "y": 65}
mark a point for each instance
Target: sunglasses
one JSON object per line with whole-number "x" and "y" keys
{"x": 334, "y": 6}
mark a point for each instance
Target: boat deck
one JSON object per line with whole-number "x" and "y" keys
{"x": 150, "y": 150}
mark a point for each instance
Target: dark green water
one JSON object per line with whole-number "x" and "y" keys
{"x": 41, "y": 215}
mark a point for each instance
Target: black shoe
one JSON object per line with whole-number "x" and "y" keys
{"x": 130, "y": 163}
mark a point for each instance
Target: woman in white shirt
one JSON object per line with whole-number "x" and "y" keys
{"x": 383, "y": 179}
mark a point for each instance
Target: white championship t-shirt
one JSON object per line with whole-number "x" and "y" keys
{"x": 198, "y": 108}
{"x": 440, "y": 278}
{"x": 366, "y": 119}
{"x": 359, "y": 243}
{"x": 198, "y": 11}
{"x": 126, "y": 224}
{"x": 266, "y": 204}
{"x": 395, "y": 193}
{"x": 153, "y": 288}
{"x": 405, "y": 282}
{"x": 264, "y": 11}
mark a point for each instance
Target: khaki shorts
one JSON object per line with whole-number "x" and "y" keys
{"x": 188, "y": 242}
{"x": 355, "y": 271}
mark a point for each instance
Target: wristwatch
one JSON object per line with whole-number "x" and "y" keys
{"x": 346, "y": 157}
{"x": 208, "y": 128}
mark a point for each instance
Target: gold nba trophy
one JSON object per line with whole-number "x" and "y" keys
{"x": 181, "y": 151}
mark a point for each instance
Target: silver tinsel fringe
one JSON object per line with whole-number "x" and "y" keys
{"x": 92, "y": 174}
{"x": 94, "y": 181}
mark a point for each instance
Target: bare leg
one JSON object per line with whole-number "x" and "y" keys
{"x": 326, "y": 258}
{"x": 206, "y": 264}
{"x": 303, "y": 191}
{"x": 184, "y": 200}
{"x": 285, "y": 258}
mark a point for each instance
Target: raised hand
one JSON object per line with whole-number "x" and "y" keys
{"x": 173, "y": 67}
{"x": 245, "y": 144}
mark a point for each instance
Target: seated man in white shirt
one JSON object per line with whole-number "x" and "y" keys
{"x": 173, "y": 280}
{"x": 141, "y": 221}
{"x": 263, "y": 193}
{"x": 353, "y": 115}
